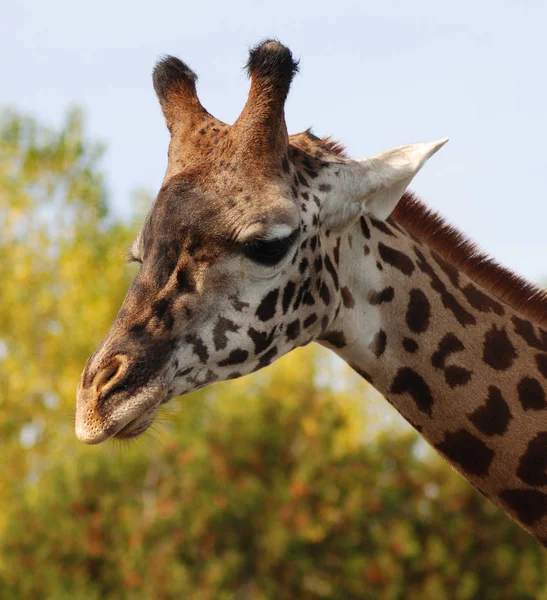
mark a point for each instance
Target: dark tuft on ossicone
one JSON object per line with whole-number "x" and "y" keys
{"x": 271, "y": 59}
{"x": 170, "y": 71}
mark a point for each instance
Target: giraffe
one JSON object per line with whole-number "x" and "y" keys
{"x": 259, "y": 242}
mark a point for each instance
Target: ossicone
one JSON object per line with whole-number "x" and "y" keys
{"x": 270, "y": 59}
{"x": 260, "y": 131}
{"x": 175, "y": 86}
{"x": 170, "y": 74}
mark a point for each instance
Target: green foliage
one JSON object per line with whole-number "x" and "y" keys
{"x": 272, "y": 486}
{"x": 61, "y": 282}
{"x": 262, "y": 502}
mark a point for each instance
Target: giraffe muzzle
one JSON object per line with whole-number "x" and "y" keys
{"x": 110, "y": 404}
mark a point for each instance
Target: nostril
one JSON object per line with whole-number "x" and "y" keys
{"x": 109, "y": 375}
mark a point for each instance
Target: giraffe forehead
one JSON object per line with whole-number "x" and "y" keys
{"x": 188, "y": 218}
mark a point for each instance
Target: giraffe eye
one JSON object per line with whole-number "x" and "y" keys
{"x": 268, "y": 252}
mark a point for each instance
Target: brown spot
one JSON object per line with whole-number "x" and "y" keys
{"x": 493, "y": 417}
{"x": 448, "y": 300}
{"x": 448, "y": 268}
{"x": 261, "y": 339}
{"x": 222, "y": 326}
{"x": 386, "y": 295}
{"x": 381, "y": 226}
{"x": 308, "y": 298}
{"x": 410, "y": 345}
{"x": 526, "y": 331}
{"x": 447, "y": 346}
{"x": 325, "y": 187}
{"x": 378, "y": 344}
{"x": 324, "y": 293}
{"x": 332, "y": 271}
{"x": 468, "y": 451}
{"x": 396, "y": 259}
{"x": 198, "y": 347}
{"x": 288, "y": 294}
{"x": 235, "y": 357}
{"x": 531, "y": 394}
{"x": 318, "y": 264}
{"x": 238, "y": 305}
{"x": 480, "y": 301}
{"x": 138, "y": 331}
{"x": 184, "y": 372}
{"x": 529, "y": 506}
{"x": 457, "y": 376}
{"x": 293, "y": 329}
{"x": 310, "y": 320}
{"x": 498, "y": 351}
{"x": 541, "y": 362}
{"x": 347, "y": 297}
{"x": 418, "y": 311}
{"x": 409, "y": 381}
{"x": 302, "y": 179}
{"x": 335, "y": 338}
{"x": 532, "y": 467}
{"x": 267, "y": 358}
{"x": 266, "y": 310}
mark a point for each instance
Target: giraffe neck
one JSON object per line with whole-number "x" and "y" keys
{"x": 462, "y": 367}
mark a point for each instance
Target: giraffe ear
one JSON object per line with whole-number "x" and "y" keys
{"x": 375, "y": 185}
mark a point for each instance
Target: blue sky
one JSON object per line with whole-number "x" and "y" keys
{"x": 373, "y": 74}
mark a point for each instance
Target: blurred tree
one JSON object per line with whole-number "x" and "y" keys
{"x": 60, "y": 283}
{"x": 276, "y": 485}
{"x": 265, "y": 495}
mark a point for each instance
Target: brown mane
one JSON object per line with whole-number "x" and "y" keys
{"x": 430, "y": 228}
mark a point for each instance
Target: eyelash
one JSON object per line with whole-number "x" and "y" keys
{"x": 269, "y": 252}
{"x": 265, "y": 252}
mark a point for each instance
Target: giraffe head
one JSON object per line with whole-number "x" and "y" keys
{"x": 239, "y": 252}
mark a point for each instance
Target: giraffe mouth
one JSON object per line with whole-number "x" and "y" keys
{"x": 134, "y": 428}
{"x": 143, "y": 409}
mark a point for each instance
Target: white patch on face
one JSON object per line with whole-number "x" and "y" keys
{"x": 365, "y": 280}
{"x": 359, "y": 325}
